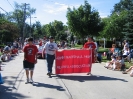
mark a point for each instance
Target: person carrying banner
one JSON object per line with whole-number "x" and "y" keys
{"x": 49, "y": 50}
{"x": 30, "y": 59}
{"x": 91, "y": 45}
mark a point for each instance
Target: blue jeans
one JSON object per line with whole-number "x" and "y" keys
{"x": 50, "y": 60}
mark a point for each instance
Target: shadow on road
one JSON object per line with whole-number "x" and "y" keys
{"x": 88, "y": 78}
{"x": 6, "y": 93}
{"x": 37, "y": 84}
{"x": 13, "y": 81}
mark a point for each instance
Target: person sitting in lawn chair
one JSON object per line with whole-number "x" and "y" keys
{"x": 126, "y": 54}
{"x": 111, "y": 52}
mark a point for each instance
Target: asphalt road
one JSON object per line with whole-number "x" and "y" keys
{"x": 103, "y": 84}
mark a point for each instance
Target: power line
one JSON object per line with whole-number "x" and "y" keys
{"x": 3, "y": 10}
{"x": 10, "y": 4}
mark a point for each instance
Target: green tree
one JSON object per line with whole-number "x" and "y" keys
{"x": 84, "y": 21}
{"x": 18, "y": 15}
{"x": 8, "y": 31}
{"x": 37, "y": 29}
{"x": 113, "y": 25}
{"x": 56, "y": 29}
{"x": 128, "y": 27}
{"x": 127, "y": 6}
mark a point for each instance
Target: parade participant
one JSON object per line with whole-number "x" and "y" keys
{"x": 91, "y": 45}
{"x": 30, "y": 59}
{"x": 49, "y": 49}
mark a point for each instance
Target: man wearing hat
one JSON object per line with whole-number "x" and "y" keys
{"x": 49, "y": 49}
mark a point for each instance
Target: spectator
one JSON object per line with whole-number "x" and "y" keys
{"x": 119, "y": 63}
{"x": 126, "y": 45}
{"x": 126, "y": 54}
{"x": 108, "y": 64}
{"x": 15, "y": 44}
{"x": 111, "y": 51}
{"x": 26, "y": 42}
{"x": 40, "y": 43}
{"x": 45, "y": 40}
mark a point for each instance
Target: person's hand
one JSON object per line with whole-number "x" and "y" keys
{"x": 42, "y": 56}
{"x": 35, "y": 61}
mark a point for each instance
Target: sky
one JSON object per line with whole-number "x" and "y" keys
{"x": 50, "y": 10}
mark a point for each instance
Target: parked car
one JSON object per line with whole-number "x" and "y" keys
{"x": 39, "y": 54}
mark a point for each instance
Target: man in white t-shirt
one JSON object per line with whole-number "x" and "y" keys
{"x": 49, "y": 49}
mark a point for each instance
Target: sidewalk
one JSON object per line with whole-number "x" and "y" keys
{"x": 103, "y": 84}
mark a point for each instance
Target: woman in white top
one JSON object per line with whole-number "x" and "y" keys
{"x": 126, "y": 45}
{"x": 126, "y": 54}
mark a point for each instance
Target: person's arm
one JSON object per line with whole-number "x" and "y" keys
{"x": 43, "y": 52}
{"x": 36, "y": 55}
{"x": 24, "y": 50}
{"x": 35, "y": 58}
{"x": 24, "y": 55}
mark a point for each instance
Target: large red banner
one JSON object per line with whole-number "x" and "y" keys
{"x": 73, "y": 61}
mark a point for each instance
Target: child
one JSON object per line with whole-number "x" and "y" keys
{"x": 111, "y": 62}
{"x": 119, "y": 64}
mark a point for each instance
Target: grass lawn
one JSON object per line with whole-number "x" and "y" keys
{"x": 101, "y": 49}
{"x": 128, "y": 64}
{"x": 78, "y": 46}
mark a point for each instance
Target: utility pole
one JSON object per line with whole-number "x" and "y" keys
{"x": 24, "y": 18}
{"x": 30, "y": 25}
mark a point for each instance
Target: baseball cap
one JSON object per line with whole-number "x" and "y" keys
{"x": 51, "y": 37}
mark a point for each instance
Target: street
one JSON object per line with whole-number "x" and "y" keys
{"x": 102, "y": 84}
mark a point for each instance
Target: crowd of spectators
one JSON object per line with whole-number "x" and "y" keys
{"x": 118, "y": 58}
{"x": 9, "y": 51}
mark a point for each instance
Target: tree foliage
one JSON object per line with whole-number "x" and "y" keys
{"x": 56, "y": 29}
{"x": 8, "y": 31}
{"x": 84, "y": 21}
{"x": 113, "y": 25}
{"x": 18, "y": 15}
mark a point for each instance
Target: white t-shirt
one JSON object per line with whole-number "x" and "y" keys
{"x": 50, "y": 48}
{"x": 125, "y": 52}
{"x": 126, "y": 45}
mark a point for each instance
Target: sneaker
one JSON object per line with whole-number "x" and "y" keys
{"x": 124, "y": 72}
{"x": 49, "y": 74}
{"x": 31, "y": 80}
{"x": 88, "y": 73}
{"x": 27, "y": 81}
